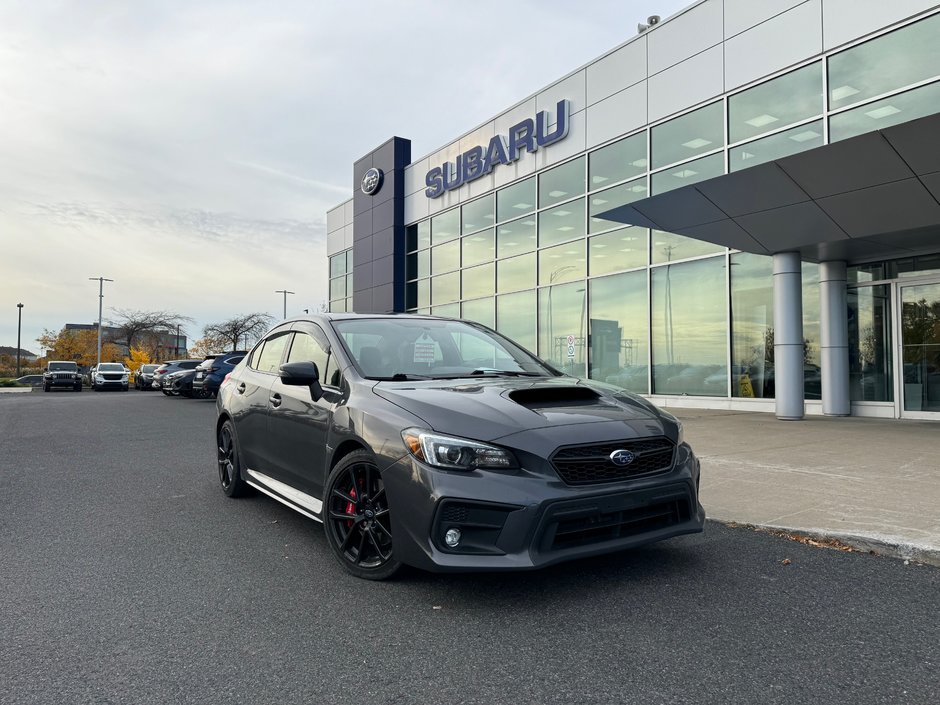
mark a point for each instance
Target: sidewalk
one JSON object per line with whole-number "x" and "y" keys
{"x": 873, "y": 483}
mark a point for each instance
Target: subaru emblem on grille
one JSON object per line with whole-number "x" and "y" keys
{"x": 622, "y": 457}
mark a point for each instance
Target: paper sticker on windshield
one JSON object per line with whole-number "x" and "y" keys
{"x": 425, "y": 349}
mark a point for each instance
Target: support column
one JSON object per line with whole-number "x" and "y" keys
{"x": 788, "y": 335}
{"x": 834, "y": 339}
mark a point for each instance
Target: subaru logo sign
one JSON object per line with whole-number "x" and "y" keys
{"x": 372, "y": 181}
{"x": 622, "y": 457}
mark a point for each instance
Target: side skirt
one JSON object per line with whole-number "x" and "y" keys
{"x": 285, "y": 494}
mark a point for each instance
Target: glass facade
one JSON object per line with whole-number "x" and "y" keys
{"x": 341, "y": 281}
{"x": 657, "y": 312}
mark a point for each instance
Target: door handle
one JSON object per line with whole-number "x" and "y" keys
{"x": 240, "y": 388}
{"x": 275, "y": 399}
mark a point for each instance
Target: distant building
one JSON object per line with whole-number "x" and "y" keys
{"x": 162, "y": 345}
{"x": 24, "y": 354}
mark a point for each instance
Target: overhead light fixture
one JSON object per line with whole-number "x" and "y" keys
{"x": 528, "y": 222}
{"x": 805, "y": 136}
{"x": 883, "y": 112}
{"x": 598, "y": 246}
{"x": 561, "y": 213}
{"x": 639, "y": 163}
{"x": 761, "y": 120}
{"x": 748, "y": 155}
{"x": 522, "y": 206}
{"x": 557, "y": 194}
{"x": 638, "y": 188}
{"x": 697, "y": 143}
{"x": 599, "y": 179}
{"x": 684, "y": 174}
{"x": 598, "y": 201}
{"x": 565, "y": 228}
{"x": 843, "y": 92}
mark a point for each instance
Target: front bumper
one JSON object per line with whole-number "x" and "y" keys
{"x": 111, "y": 384}
{"x": 526, "y": 520}
{"x": 63, "y": 382}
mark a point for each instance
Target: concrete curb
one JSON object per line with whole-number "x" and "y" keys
{"x": 15, "y": 390}
{"x": 869, "y": 543}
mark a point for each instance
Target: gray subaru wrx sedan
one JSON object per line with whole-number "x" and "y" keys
{"x": 443, "y": 445}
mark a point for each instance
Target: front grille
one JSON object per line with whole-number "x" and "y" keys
{"x": 581, "y": 465}
{"x": 454, "y": 513}
{"x": 64, "y": 375}
{"x": 621, "y": 524}
{"x": 112, "y": 376}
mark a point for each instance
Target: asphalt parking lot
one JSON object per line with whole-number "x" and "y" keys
{"x": 127, "y": 577}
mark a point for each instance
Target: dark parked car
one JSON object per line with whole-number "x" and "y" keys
{"x": 212, "y": 371}
{"x": 110, "y": 375}
{"x": 471, "y": 452}
{"x": 143, "y": 378}
{"x": 168, "y": 367}
{"x": 31, "y": 380}
{"x": 61, "y": 373}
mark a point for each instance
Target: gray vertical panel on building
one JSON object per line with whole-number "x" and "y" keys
{"x": 379, "y": 231}
{"x": 788, "y": 335}
{"x": 834, "y": 338}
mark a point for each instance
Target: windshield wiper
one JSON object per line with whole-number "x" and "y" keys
{"x": 508, "y": 373}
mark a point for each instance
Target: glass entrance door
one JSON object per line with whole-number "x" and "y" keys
{"x": 919, "y": 324}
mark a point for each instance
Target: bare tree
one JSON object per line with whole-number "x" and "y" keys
{"x": 248, "y": 327}
{"x": 135, "y": 324}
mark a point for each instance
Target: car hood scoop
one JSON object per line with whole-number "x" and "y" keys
{"x": 553, "y": 396}
{"x": 492, "y": 408}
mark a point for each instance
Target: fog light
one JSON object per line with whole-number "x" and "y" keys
{"x": 452, "y": 537}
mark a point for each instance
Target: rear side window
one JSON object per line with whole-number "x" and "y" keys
{"x": 188, "y": 365}
{"x": 270, "y": 357}
{"x": 235, "y": 360}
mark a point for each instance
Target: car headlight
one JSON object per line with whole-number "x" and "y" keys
{"x": 99, "y": 378}
{"x": 455, "y": 453}
{"x": 124, "y": 378}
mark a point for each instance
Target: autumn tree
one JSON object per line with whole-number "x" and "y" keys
{"x": 247, "y": 328}
{"x": 78, "y": 345}
{"x": 137, "y": 358}
{"x": 208, "y": 345}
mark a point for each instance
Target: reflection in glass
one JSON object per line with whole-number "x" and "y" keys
{"x": 782, "y": 101}
{"x": 562, "y": 263}
{"x": 445, "y": 227}
{"x": 783, "y": 144}
{"x": 445, "y": 288}
{"x": 561, "y": 223}
{"x": 686, "y": 136}
{"x": 561, "y": 183}
{"x": 752, "y": 326}
{"x": 618, "y": 250}
{"x": 515, "y": 273}
{"x": 619, "y": 331}
{"x": 411, "y": 295}
{"x": 514, "y": 318}
{"x": 689, "y": 328}
{"x": 900, "y": 58}
{"x": 338, "y": 264}
{"x": 812, "y": 375}
{"x": 914, "y": 266}
{"x": 478, "y": 247}
{"x": 478, "y": 214}
{"x": 478, "y": 281}
{"x": 911, "y": 105}
{"x": 688, "y": 173}
{"x": 516, "y": 237}
{"x": 870, "y": 366}
{"x": 338, "y": 288}
{"x": 424, "y": 293}
{"x": 618, "y": 161}
{"x": 338, "y": 306}
{"x": 669, "y": 247}
{"x": 602, "y": 201}
{"x": 446, "y": 311}
{"x": 859, "y": 274}
{"x": 515, "y": 200}
{"x": 920, "y": 341}
{"x": 445, "y": 258}
{"x": 480, "y": 310}
{"x": 561, "y": 319}
{"x": 418, "y": 236}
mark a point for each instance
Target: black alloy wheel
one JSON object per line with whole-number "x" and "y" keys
{"x": 357, "y": 520}
{"x": 230, "y": 476}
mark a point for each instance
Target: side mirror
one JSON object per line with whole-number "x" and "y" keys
{"x": 302, "y": 374}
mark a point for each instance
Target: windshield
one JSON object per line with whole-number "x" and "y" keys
{"x": 148, "y": 368}
{"x": 110, "y": 367}
{"x": 62, "y": 366}
{"x": 387, "y": 348}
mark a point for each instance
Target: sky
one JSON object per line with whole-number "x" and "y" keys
{"x": 190, "y": 151}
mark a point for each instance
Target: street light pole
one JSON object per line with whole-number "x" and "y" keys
{"x": 285, "y": 292}
{"x": 19, "y": 325}
{"x": 101, "y": 281}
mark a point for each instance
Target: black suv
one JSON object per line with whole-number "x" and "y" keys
{"x": 470, "y": 451}
{"x": 61, "y": 373}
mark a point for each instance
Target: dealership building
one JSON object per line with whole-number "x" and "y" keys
{"x": 737, "y": 208}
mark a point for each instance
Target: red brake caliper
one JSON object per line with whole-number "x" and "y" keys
{"x": 350, "y": 507}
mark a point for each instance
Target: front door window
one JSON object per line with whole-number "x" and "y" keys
{"x": 920, "y": 347}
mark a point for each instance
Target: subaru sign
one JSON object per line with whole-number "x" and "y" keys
{"x": 478, "y": 161}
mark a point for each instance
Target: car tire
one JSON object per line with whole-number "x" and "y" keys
{"x": 78, "y": 387}
{"x": 361, "y": 543}
{"x": 46, "y": 388}
{"x": 229, "y": 462}
{"x": 124, "y": 388}
{"x": 166, "y": 392}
